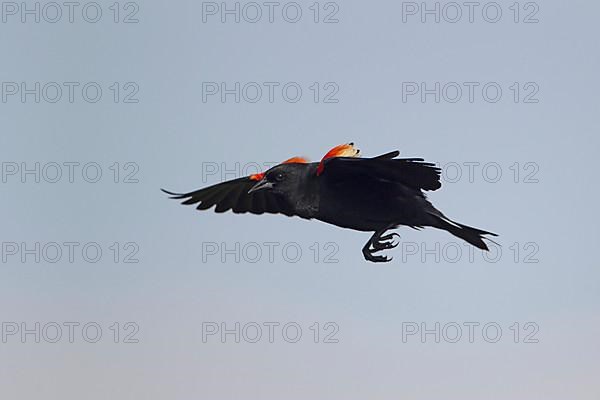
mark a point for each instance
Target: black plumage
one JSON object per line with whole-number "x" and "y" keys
{"x": 365, "y": 194}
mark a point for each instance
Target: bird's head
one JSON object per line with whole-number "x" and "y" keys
{"x": 282, "y": 179}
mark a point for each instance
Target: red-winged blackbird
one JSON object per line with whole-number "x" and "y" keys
{"x": 365, "y": 194}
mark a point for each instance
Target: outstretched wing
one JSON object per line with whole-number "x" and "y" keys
{"x": 413, "y": 172}
{"x": 233, "y": 195}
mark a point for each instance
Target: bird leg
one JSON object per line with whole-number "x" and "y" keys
{"x": 385, "y": 242}
{"x": 378, "y": 243}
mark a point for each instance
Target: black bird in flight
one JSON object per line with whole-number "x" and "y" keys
{"x": 365, "y": 194}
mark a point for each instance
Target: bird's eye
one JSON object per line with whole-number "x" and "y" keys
{"x": 279, "y": 177}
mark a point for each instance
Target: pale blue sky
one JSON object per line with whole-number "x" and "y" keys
{"x": 171, "y": 135}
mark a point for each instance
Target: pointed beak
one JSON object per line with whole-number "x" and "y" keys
{"x": 262, "y": 184}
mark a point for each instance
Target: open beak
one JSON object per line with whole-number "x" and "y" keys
{"x": 262, "y": 184}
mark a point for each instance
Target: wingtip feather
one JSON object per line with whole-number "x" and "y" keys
{"x": 174, "y": 195}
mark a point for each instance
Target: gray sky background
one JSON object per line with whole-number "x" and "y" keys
{"x": 172, "y": 137}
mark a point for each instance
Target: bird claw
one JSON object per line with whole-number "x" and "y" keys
{"x": 377, "y": 244}
{"x": 369, "y": 256}
{"x": 390, "y": 236}
{"x": 385, "y": 242}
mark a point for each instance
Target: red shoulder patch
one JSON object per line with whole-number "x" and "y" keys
{"x": 342, "y": 150}
{"x": 296, "y": 160}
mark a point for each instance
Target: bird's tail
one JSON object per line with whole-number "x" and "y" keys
{"x": 469, "y": 234}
